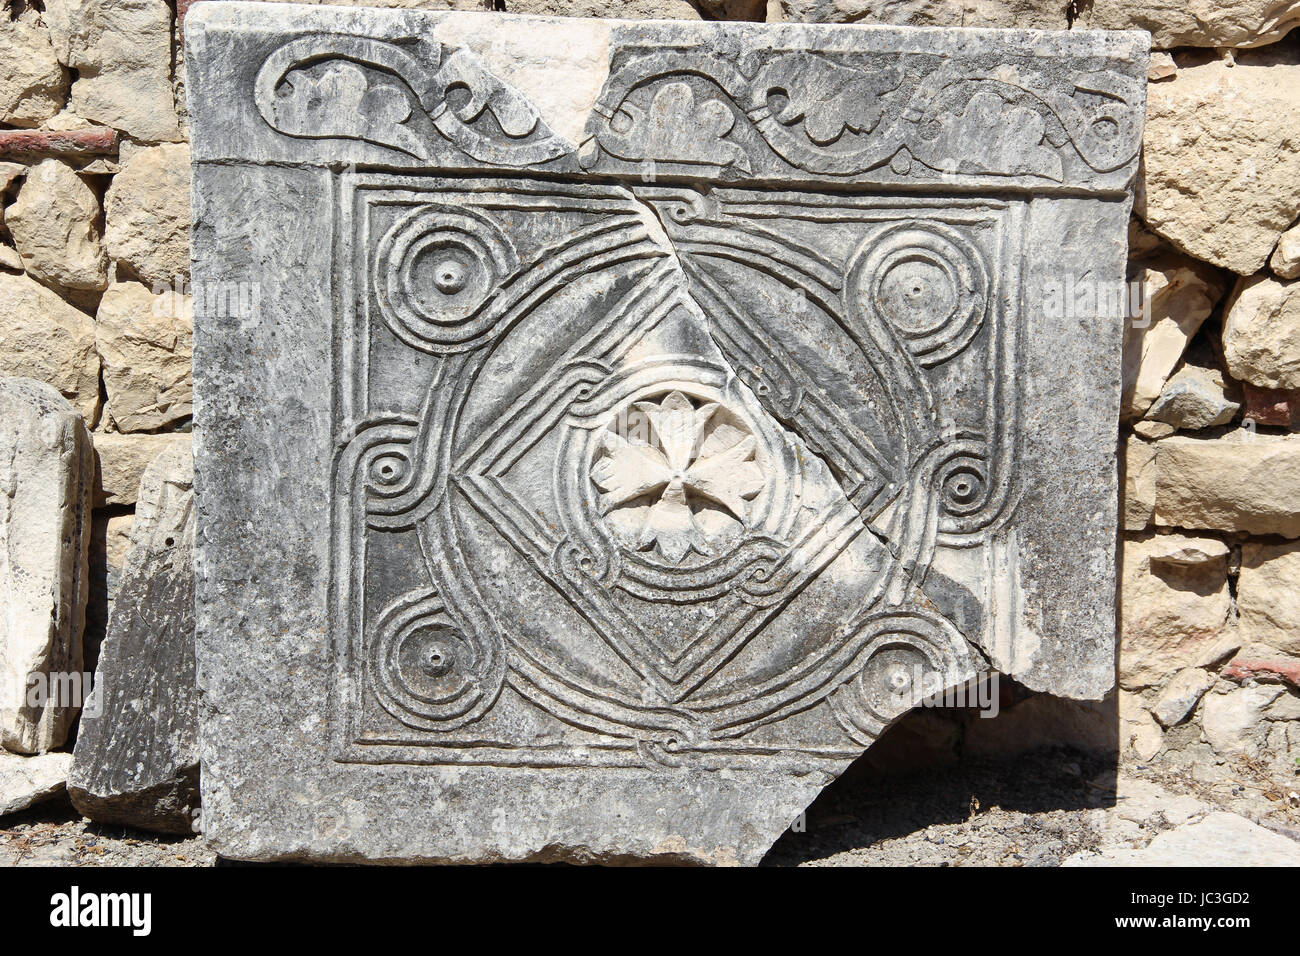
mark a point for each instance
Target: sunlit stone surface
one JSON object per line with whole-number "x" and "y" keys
{"x": 625, "y": 434}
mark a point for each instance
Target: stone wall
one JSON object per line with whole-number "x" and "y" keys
{"x": 94, "y": 174}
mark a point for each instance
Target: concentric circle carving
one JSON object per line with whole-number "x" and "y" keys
{"x": 435, "y": 272}
{"x": 427, "y": 670}
{"x": 913, "y": 653}
{"x": 928, "y": 283}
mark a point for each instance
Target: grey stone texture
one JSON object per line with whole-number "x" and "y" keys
{"x": 137, "y": 760}
{"x": 28, "y": 780}
{"x": 46, "y": 472}
{"x": 620, "y": 442}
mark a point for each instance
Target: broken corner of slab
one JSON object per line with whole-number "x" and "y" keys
{"x": 643, "y": 417}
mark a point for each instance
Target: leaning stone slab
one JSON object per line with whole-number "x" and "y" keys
{"x": 625, "y": 434}
{"x": 28, "y": 780}
{"x": 46, "y": 471}
{"x": 137, "y": 759}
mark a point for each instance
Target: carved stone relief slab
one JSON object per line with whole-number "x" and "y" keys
{"x": 621, "y": 441}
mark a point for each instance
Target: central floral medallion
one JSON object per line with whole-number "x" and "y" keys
{"x": 677, "y": 476}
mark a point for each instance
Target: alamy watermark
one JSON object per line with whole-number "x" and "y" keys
{"x": 214, "y": 298}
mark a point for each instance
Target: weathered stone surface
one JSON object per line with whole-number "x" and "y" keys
{"x": 55, "y": 223}
{"x": 1139, "y": 734}
{"x": 137, "y": 760}
{"x": 33, "y": 85}
{"x": 148, "y": 213}
{"x": 718, "y": 463}
{"x": 1256, "y": 662}
{"x": 1152, "y": 431}
{"x": 121, "y": 50}
{"x": 1162, "y": 67}
{"x": 1180, "y": 294}
{"x": 1285, "y": 261}
{"x": 1268, "y": 595}
{"x": 46, "y": 471}
{"x": 25, "y": 144}
{"x": 1177, "y": 23}
{"x": 1220, "y": 839}
{"x": 1139, "y": 470}
{"x": 1195, "y": 398}
{"x": 1143, "y": 802}
{"x": 1233, "y": 721}
{"x": 1222, "y": 158}
{"x": 1241, "y": 482}
{"x": 144, "y": 341}
{"x": 44, "y": 338}
{"x": 26, "y": 780}
{"x": 1261, "y": 332}
{"x": 123, "y": 460}
{"x": 1024, "y": 14}
{"x": 1174, "y": 603}
{"x": 1181, "y": 695}
{"x": 1270, "y": 406}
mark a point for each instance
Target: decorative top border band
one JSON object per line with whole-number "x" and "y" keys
{"x": 732, "y": 103}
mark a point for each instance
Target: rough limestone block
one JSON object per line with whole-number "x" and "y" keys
{"x": 137, "y": 760}
{"x": 28, "y": 780}
{"x": 123, "y": 460}
{"x": 1222, "y": 161}
{"x": 144, "y": 342}
{"x": 1241, "y": 482}
{"x": 56, "y": 227}
{"x": 46, "y": 471}
{"x": 44, "y": 338}
{"x": 627, "y": 433}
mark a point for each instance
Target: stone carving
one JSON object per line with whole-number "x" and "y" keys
{"x": 635, "y": 485}
{"x": 358, "y": 88}
{"x": 678, "y": 476}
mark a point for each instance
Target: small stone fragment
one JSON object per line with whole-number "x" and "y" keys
{"x": 1138, "y": 730}
{"x": 1178, "y": 295}
{"x": 1139, "y": 484}
{"x": 1181, "y": 695}
{"x": 1162, "y": 67}
{"x": 1285, "y": 261}
{"x": 1152, "y": 430}
{"x": 1233, "y": 722}
{"x": 1194, "y": 398}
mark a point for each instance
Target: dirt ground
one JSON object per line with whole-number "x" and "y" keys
{"x": 1034, "y": 810}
